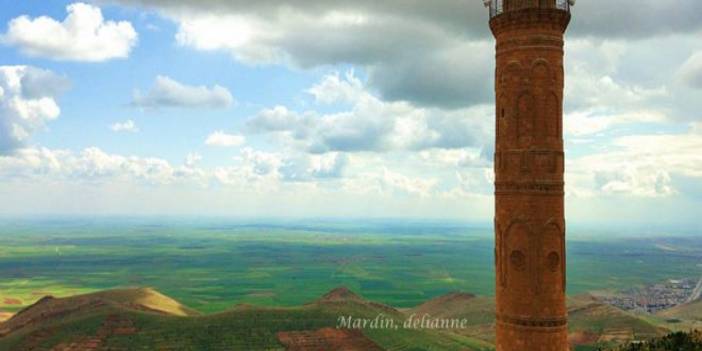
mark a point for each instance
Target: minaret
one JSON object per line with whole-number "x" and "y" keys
{"x": 529, "y": 166}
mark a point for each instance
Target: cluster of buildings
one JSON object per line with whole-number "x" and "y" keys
{"x": 654, "y": 298}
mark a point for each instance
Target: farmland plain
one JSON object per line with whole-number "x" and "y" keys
{"x": 213, "y": 264}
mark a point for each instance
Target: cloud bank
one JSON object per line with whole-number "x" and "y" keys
{"x": 433, "y": 54}
{"x": 371, "y": 124}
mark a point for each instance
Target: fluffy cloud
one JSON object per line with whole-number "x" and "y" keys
{"x": 458, "y": 76}
{"x": 592, "y": 121}
{"x": 389, "y": 182}
{"x": 587, "y": 90}
{"x": 420, "y": 122}
{"x": 192, "y": 159}
{"x": 303, "y": 37}
{"x": 278, "y": 167}
{"x": 27, "y": 103}
{"x": 610, "y": 86}
{"x": 251, "y": 170}
{"x": 274, "y": 183}
{"x": 126, "y": 126}
{"x": 167, "y": 92}
{"x": 436, "y": 53}
{"x": 90, "y": 165}
{"x": 456, "y": 158}
{"x": 327, "y": 166}
{"x": 637, "y": 165}
{"x": 418, "y": 186}
{"x": 631, "y": 18}
{"x": 371, "y": 124}
{"x": 220, "y": 138}
{"x": 84, "y": 35}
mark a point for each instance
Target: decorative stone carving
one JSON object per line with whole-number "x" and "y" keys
{"x": 518, "y": 260}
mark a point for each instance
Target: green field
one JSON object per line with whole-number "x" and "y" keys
{"x": 211, "y": 265}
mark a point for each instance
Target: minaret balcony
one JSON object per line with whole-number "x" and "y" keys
{"x": 498, "y": 7}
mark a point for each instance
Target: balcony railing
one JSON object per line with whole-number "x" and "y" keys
{"x": 497, "y": 7}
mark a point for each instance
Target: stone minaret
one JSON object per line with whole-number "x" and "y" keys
{"x": 529, "y": 166}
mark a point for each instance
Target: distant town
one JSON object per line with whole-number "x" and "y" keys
{"x": 656, "y": 297}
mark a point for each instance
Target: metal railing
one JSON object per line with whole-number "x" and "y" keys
{"x": 498, "y": 7}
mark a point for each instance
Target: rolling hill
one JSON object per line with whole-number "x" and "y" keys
{"x": 144, "y": 319}
{"x": 591, "y": 322}
{"x": 691, "y": 311}
{"x": 134, "y": 319}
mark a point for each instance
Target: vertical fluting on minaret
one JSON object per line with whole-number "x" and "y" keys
{"x": 529, "y": 166}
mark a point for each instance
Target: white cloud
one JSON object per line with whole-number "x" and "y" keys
{"x": 90, "y": 165}
{"x": 220, "y": 138}
{"x": 427, "y": 51}
{"x": 27, "y": 103}
{"x": 593, "y": 122}
{"x": 420, "y": 122}
{"x": 417, "y": 186}
{"x": 642, "y": 16}
{"x": 314, "y": 167}
{"x": 458, "y": 158}
{"x": 609, "y": 78}
{"x": 331, "y": 165}
{"x": 252, "y": 169}
{"x": 333, "y": 88}
{"x": 632, "y": 181}
{"x": 437, "y": 54}
{"x": 126, "y": 126}
{"x": 637, "y": 165}
{"x": 471, "y": 184}
{"x": 389, "y": 183}
{"x": 588, "y": 87}
{"x": 275, "y": 167}
{"x": 192, "y": 159}
{"x": 84, "y": 35}
{"x": 370, "y": 124}
{"x": 215, "y": 32}
{"x": 280, "y": 119}
{"x": 167, "y": 92}
{"x": 93, "y": 181}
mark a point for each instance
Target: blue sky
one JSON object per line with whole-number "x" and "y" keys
{"x": 331, "y": 108}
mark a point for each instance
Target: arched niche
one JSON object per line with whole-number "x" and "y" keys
{"x": 551, "y": 259}
{"x": 540, "y": 70}
{"x": 552, "y": 115}
{"x": 525, "y": 115}
{"x": 512, "y": 74}
{"x": 517, "y": 260}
